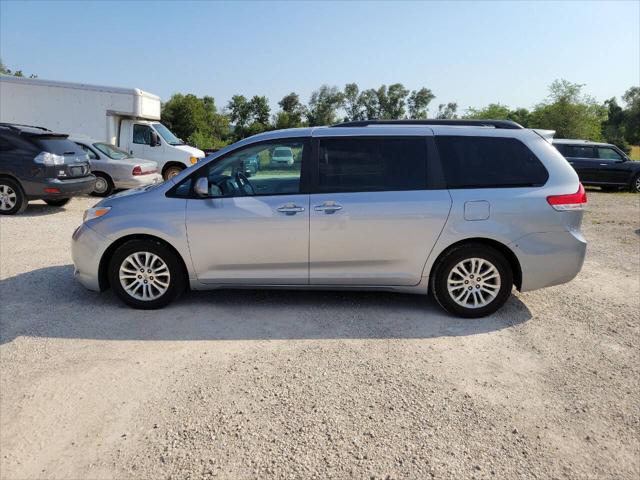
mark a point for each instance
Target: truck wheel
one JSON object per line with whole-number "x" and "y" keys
{"x": 56, "y": 202}
{"x": 104, "y": 185}
{"x": 12, "y": 198}
{"x": 635, "y": 184}
{"x": 172, "y": 171}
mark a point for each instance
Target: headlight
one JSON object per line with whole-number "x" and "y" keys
{"x": 194, "y": 160}
{"x": 48, "y": 158}
{"x": 95, "y": 212}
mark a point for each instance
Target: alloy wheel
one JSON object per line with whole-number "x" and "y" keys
{"x": 473, "y": 282}
{"x": 8, "y": 197}
{"x": 144, "y": 276}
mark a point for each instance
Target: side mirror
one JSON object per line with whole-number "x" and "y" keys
{"x": 155, "y": 139}
{"x": 202, "y": 187}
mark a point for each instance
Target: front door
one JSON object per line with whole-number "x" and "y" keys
{"x": 373, "y": 220}
{"x": 611, "y": 167}
{"x": 251, "y": 228}
{"x": 141, "y": 141}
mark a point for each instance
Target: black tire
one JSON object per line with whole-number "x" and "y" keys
{"x": 634, "y": 186}
{"x": 444, "y": 267}
{"x": 176, "y": 281}
{"x": 171, "y": 171}
{"x": 12, "y": 199}
{"x": 104, "y": 185}
{"x": 56, "y": 202}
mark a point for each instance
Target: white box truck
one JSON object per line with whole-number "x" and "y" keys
{"x": 126, "y": 117}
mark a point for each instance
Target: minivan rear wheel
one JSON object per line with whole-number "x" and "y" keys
{"x": 472, "y": 281}
{"x": 12, "y": 198}
{"x": 146, "y": 274}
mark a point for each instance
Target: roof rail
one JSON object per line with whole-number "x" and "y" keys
{"x": 506, "y": 124}
{"x": 16, "y": 126}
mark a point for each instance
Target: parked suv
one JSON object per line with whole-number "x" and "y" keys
{"x": 464, "y": 209}
{"x": 601, "y": 164}
{"x": 36, "y": 163}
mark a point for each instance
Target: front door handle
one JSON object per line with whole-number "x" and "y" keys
{"x": 328, "y": 207}
{"x": 604, "y": 164}
{"x": 290, "y": 209}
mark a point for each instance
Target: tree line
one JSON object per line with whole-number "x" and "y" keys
{"x": 566, "y": 109}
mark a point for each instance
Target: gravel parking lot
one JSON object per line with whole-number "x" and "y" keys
{"x": 264, "y": 384}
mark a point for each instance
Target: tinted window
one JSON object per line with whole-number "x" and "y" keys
{"x": 58, "y": 145}
{"x": 481, "y": 162}
{"x": 563, "y": 149}
{"x": 579, "y": 151}
{"x": 372, "y": 164}
{"x": 608, "y": 153}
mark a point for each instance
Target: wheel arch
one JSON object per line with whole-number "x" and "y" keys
{"x": 509, "y": 254}
{"x": 103, "y": 268}
{"x": 172, "y": 163}
{"x": 13, "y": 178}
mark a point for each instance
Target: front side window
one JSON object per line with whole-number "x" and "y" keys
{"x": 272, "y": 168}
{"x": 608, "y": 153}
{"x": 484, "y": 162}
{"x": 142, "y": 134}
{"x": 363, "y": 164}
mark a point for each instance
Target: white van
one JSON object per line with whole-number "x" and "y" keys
{"x": 126, "y": 117}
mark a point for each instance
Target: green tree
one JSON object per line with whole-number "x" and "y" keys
{"x": 418, "y": 103}
{"x": 493, "y": 111}
{"x": 613, "y": 127}
{"x": 291, "y": 113}
{"x": 18, "y": 73}
{"x": 447, "y": 111}
{"x": 569, "y": 112}
{"x": 369, "y": 103}
{"x": 632, "y": 115}
{"x": 239, "y": 112}
{"x": 196, "y": 120}
{"x": 323, "y": 106}
{"x": 352, "y": 102}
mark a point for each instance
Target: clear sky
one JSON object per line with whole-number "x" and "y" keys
{"x": 473, "y": 53}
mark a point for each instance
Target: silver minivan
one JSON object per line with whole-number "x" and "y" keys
{"x": 462, "y": 209}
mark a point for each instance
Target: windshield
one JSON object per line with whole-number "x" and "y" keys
{"x": 111, "y": 151}
{"x": 168, "y": 136}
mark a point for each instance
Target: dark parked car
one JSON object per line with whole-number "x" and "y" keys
{"x": 36, "y": 163}
{"x": 601, "y": 164}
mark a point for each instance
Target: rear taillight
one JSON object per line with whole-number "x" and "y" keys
{"x": 137, "y": 170}
{"x": 570, "y": 201}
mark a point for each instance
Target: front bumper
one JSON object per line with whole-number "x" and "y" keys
{"x": 549, "y": 258}
{"x": 35, "y": 187}
{"x": 138, "y": 181}
{"x": 87, "y": 248}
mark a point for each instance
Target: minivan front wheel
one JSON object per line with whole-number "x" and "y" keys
{"x": 146, "y": 274}
{"x": 472, "y": 281}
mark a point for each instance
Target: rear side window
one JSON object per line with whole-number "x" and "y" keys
{"x": 58, "y": 145}
{"x": 483, "y": 162}
{"x": 578, "y": 151}
{"x": 372, "y": 164}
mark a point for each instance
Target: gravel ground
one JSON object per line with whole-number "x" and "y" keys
{"x": 259, "y": 384}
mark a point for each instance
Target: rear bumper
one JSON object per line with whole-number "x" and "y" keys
{"x": 34, "y": 188}
{"x": 550, "y": 258}
{"x": 138, "y": 181}
{"x": 87, "y": 248}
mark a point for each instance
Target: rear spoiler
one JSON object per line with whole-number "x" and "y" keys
{"x": 545, "y": 134}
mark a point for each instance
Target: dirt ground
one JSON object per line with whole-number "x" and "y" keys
{"x": 263, "y": 384}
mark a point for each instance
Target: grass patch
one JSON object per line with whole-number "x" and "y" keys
{"x": 635, "y": 152}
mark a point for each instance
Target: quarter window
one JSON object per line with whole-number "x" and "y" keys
{"x": 483, "y": 162}
{"x": 90, "y": 153}
{"x": 372, "y": 164}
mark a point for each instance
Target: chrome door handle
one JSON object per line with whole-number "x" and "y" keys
{"x": 328, "y": 207}
{"x": 604, "y": 164}
{"x": 290, "y": 209}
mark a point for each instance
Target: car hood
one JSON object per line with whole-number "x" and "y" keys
{"x": 194, "y": 152}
